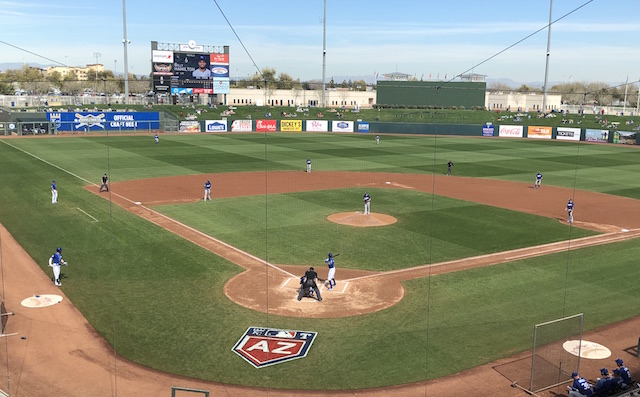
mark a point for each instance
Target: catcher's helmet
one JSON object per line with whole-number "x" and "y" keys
{"x": 59, "y": 249}
{"x": 311, "y": 268}
{"x": 330, "y": 255}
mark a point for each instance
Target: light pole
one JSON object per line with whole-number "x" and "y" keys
{"x": 97, "y": 55}
{"x": 115, "y": 67}
{"x": 546, "y": 69}
{"x": 125, "y": 42}
{"x": 324, "y": 51}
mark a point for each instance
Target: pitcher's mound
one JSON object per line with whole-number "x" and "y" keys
{"x": 361, "y": 220}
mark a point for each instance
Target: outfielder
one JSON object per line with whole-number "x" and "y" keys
{"x": 367, "y": 203}
{"x": 55, "y": 262}
{"x": 377, "y": 139}
{"x": 207, "y": 190}
{"x": 54, "y": 192}
{"x": 538, "y": 181}
{"x": 332, "y": 271}
{"x": 308, "y": 164}
{"x": 569, "y": 209}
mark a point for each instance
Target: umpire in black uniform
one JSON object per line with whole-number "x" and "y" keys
{"x": 104, "y": 185}
{"x": 310, "y": 279}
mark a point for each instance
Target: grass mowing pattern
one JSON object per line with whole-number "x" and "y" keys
{"x": 152, "y": 279}
{"x": 299, "y": 232}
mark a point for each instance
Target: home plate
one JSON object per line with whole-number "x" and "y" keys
{"x": 586, "y": 349}
{"x": 138, "y": 203}
{"x": 388, "y": 183}
{"x": 625, "y": 230}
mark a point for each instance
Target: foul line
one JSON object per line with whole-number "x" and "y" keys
{"x": 156, "y": 213}
{"x": 84, "y": 212}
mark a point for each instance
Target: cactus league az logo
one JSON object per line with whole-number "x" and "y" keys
{"x": 262, "y": 347}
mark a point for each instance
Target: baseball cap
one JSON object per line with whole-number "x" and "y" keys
{"x": 202, "y": 58}
{"x": 573, "y": 375}
{"x": 604, "y": 371}
{"x": 619, "y": 361}
{"x": 59, "y": 249}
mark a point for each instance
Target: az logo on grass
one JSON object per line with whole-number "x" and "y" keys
{"x": 262, "y": 347}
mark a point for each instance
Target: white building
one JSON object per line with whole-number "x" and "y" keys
{"x": 520, "y": 101}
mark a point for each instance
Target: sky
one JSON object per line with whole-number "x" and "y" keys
{"x": 428, "y": 39}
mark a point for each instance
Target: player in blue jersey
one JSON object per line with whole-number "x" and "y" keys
{"x": 54, "y": 192}
{"x": 580, "y": 387}
{"x": 569, "y": 209}
{"x": 367, "y": 203}
{"x": 55, "y": 261}
{"x": 538, "y": 180}
{"x": 623, "y": 373}
{"x": 207, "y": 190}
{"x": 605, "y": 383}
{"x": 331, "y": 277}
{"x": 156, "y": 139}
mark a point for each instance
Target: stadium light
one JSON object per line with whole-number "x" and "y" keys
{"x": 97, "y": 55}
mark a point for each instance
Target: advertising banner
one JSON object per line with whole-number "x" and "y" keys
{"x": 342, "y": 126}
{"x": 363, "y": 126}
{"x": 568, "y": 134}
{"x": 511, "y": 131}
{"x": 219, "y": 59}
{"x": 241, "y": 126}
{"x": 219, "y": 71}
{"x": 162, "y": 69}
{"x": 189, "y": 126}
{"x": 625, "y": 137}
{"x": 290, "y": 125}
{"x": 318, "y": 125}
{"x": 488, "y": 129}
{"x": 539, "y": 132}
{"x": 161, "y": 56}
{"x": 266, "y": 125}
{"x": 101, "y": 121}
{"x": 599, "y": 136}
{"x": 215, "y": 125}
{"x": 161, "y": 84}
{"x": 220, "y": 85}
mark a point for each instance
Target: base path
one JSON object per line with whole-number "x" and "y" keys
{"x": 360, "y": 291}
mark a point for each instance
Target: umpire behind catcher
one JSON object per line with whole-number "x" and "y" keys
{"x": 310, "y": 279}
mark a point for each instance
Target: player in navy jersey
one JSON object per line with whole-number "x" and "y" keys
{"x": 55, "y": 261}
{"x": 207, "y": 190}
{"x": 54, "y": 192}
{"x": 569, "y": 209}
{"x": 331, "y": 280}
{"x": 623, "y": 372}
{"x": 580, "y": 387}
{"x": 538, "y": 180}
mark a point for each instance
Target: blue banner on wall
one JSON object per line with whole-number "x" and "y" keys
{"x": 363, "y": 126}
{"x": 105, "y": 121}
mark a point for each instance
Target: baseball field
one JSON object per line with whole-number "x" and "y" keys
{"x": 172, "y": 282}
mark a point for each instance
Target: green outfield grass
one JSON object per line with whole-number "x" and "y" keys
{"x": 161, "y": 297}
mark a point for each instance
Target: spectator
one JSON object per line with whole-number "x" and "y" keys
{"x": 580, "y": 387}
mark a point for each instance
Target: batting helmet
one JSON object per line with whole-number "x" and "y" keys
{"x": 330, "y": 255}
{"x": 58, "y": 249}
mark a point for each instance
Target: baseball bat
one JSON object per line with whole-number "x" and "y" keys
{"x": 334, "y": 255}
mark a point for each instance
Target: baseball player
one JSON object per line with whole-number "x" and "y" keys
{"x": 308, "y": 164}
{"x": 54, "y": 192}
{"x": 332, "y": 271}
{"x": 623, "y": 372}
{"x": 55, "y": 261}
{"x": 367, "y": 203}
{"x": 156, "y": 139}
{"x": 449, "y": 165}
{"x": 377, "y": 139}
{"x": 580, "y": 387}
{"x": 606, "y": 383}
{"x": 207, "y": 190}
{"x": 104, "y": 183}
{"x": 569, "y": 209}
{"x": 310, "y": 282}
{"x": 538, "y": 180}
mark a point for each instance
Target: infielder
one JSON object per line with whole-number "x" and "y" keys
{"x": 207, "y": 190}
{"x": 449, "y": 165}
{"x": 538, "y": 180}
{"x": 367, "y": 203}
{"x": 308, "y": 164}
{"x": 55, "y": 262}
{"x": 332, "y": 271}
{"x": 569, "y": 209}
{"x": 54, "y": 192}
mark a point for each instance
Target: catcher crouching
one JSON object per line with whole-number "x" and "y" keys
{"x": 309, "y": 285}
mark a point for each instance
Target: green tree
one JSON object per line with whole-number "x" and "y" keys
{"x": 285, "y": 82}
{"x": 359, "y": 85}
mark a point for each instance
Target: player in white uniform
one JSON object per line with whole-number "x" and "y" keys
{"x": 54, "y": 192}
{"x": 207, "y": 190}
{"x": 308, "y": 165}
{"x": 377, "y": 139}
{"x": 367, "y": 203}
{"x": 569, "y": 209}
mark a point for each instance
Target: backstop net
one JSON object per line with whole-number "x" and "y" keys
{"x": 551, "y": 364}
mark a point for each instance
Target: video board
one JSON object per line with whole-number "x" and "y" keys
{"x": 190, "y": 71}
